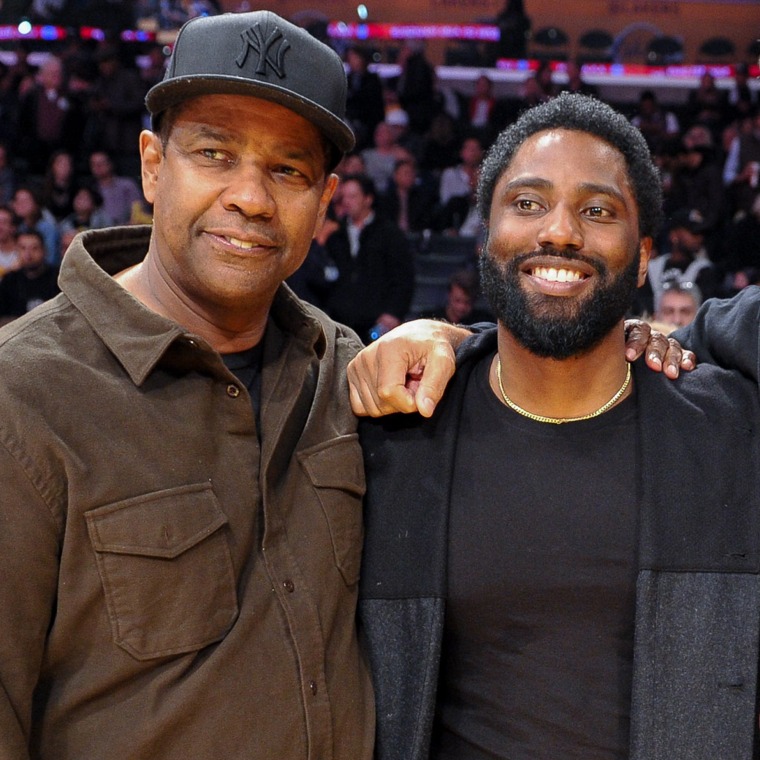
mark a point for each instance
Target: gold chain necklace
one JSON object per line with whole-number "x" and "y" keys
{"x": 560, "y": 420}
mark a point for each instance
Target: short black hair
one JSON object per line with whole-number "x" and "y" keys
{"x": 467, "y": 280}
{"x": 580, "y": 113}
{"x": 365, "y": 183}
{"x": 31, "y": 232}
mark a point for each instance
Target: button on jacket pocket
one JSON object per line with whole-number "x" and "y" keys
{"x": 166, "y": 570}
{"x": 336, "y": 470}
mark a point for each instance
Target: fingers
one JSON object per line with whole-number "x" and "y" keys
{"x": 678, "y": 358}
{"x": 657, "y": 348}
{"x": 637, "y": 334}
{"x": 438, "y": 370}
{"x": 661, "y": 353}
{"x": 371, "y": 396}
{"x": 406, "y": 370}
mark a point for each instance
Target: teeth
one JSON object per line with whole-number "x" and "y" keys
{"x": 552, "y": 274}
{"x": 244, "y": 244}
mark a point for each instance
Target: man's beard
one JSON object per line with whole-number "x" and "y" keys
{"x": 557, "y": 327}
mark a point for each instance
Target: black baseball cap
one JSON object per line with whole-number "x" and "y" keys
{"x": 261, "y": 55}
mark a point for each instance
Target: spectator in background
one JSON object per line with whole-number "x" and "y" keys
{"x": 741, "y": 98}
{"x": 678, "y": 305}
{"x": 7, "y": 175}
{"x": 406, "y": 139}
{"x": 88, "y": 213}
{"x": 375, "y": 271}
{"x": 480, "y": 107}
{"x": 47, "y": 118}
{"x": 380, "y": 159}
{"x": 82, "y": 73}
{"x": 539, "y": 87}
{"x": 34, "y": 217}
{"x": 59, "y": 184}
{"x": 656, "y": 123}
{"x": 66, "y": 239}
{"x": 116, "y": 110}
{"x": 697, "y": 185}
{"x": 415, "y": 86}
{"x": 365, "y": 107}
{"x": 545, "y": 80}
{"x": 33, "y": 283}
{"x": 708, "y": 104}
{"x": 459, "y": 215}
{"x": 18, "y": 78}
{"x": 155, "y": 68}
{"x": 575, "y": 82}
{"x": 460, "y": 301}
{"x": 514, "y": 30}
{"x": 407, "y": 201}
{"x": 741, "y": 172}
{"x": 8, "y": 250}
{"x": 352, "y": 163}
{"x": 684, "y": 261}
{"x": 119, "y": 193}
{"x": 741, "y": 249}
{"x": 440, "y": 146}
{"x": 743, "y": 278}
{"x": 459, "y": 180}
{"x": 698, "y": 135}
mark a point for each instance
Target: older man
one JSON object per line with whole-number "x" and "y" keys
{"x": 180, "y": 474}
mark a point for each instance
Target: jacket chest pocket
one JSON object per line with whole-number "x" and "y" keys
{"x": 336, "y": 471}
{"x": 166, "y": 570}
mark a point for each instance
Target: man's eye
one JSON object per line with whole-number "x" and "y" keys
{"x": 291, "y": 171}
{"x": 213, "y": 154}
{"x": 598, "y": 212}
{"x": 526, "y": 204}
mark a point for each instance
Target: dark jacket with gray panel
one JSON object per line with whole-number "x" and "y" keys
{"x": 698, "y": 591}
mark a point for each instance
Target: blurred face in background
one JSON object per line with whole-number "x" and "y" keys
{"x": 677, "y": 308}
{"x": 31, "y": 251}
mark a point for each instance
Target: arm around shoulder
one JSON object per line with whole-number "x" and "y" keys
{"x": 727, "y": 332}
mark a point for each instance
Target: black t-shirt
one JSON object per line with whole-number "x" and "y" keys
{"x": 539, "y": 624}
{"x": 246, "y": 366}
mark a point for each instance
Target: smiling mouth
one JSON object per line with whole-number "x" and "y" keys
{"x": 240, "y": 244}
{"x": 244, "y": 245}
{"x": 556, "y": 274}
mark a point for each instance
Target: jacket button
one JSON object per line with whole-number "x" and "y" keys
{"x": 313, "y": 688}
{"x": 233, "y": 391}
{"x": 289, "y": 586}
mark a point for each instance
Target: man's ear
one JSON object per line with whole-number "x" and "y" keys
{"x": 645, "y": 253}
{"x": 151, "y": 156}
{"x": 331, "y": 182}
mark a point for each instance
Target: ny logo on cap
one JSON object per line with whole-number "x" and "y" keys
{"x": 253, "y": 39}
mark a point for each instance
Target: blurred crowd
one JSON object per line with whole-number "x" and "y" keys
{"x": 69, "y": 162}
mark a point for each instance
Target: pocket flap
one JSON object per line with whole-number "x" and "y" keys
{"x": 160, "y": 524}
{"x": 336, "y": 464}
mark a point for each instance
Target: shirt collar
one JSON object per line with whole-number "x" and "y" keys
{"x": 137, "y": 336}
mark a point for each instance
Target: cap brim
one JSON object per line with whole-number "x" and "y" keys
{"x": 169, "y": 93}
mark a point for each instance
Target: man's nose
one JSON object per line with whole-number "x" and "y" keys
{"x": 249, "y": 191}
{"x": 560, "y": 229}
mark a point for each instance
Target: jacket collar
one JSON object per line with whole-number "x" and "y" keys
{"x": 137, "y": 336}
